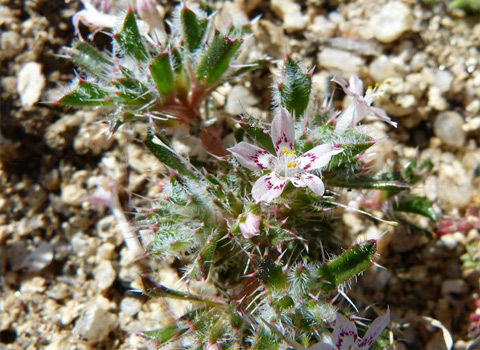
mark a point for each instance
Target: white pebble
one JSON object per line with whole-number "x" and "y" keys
{"x": 94, "y": 323}
{"x": 39, "y": 258}
{"x": 448, "y": 127}
{"x": 104, "y": 274}
{"x": 239, "y": 100}
{"x": 393, "y": 19}
{"x": 384, "y": 67}
{"x": 73, "y": 194}
{"x": 30, "y": 84}
{"x": 334, "y": 59}
{"x": 130, "y": 306}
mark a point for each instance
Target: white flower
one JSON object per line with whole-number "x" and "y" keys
{"x": 361, "y": 105}
{"x": 286, "y": 166}
{"x": 345, "y": 336}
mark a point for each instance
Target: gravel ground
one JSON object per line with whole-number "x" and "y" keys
{"x": 67, "y": 281}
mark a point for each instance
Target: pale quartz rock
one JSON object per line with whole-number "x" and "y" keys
{"x": 130, "y": 306}
{"x": 385, "y": 67}
{"x": 286, "y": 166}
{"x": 290, "y": 12}
{"x": 239, "y": 100}
{"x": 448, "y": 127}
{"x": 94, "y": 323}
{"x": 391, "y": 21}
{"x": 344, "y": 61}
{"x": 345, "y": 335}
{"x": 30, "y": 83}
{"x": 436, "y": 100}
{"x": 104, "y": 274}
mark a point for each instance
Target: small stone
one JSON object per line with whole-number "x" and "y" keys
{"x": 130, "y": 306}
{"x": 436, "y": 100}
{"x": 83, "y": 245}
{"x": 448, "y": 241}
{"x": 106, "y": 251}
{"x": 39, "y": 258}
{"x": 239, "y": 100}
{"x": 443, "y": 80}
{"x": 454, "y": 286}
{"x": 35, "y": 285}
{"x": 12, "y": 44}
{"x": 344, "y": 61}
{"x": 36, "y": 197}
{"x": 58, "y": 291}
{"x": 418, "y": 61}
{"x": 322, "y": 27}
{"x": 393, "y": 19}
{"x": 94, "y": 323}
{"x": 73, "y": 194}
{"x": 104, "y": 274}
{"x": 448, "y": 127}
{"x": 51, "y": 180}
{"x": 384, "y": 67}
{"x": 290, "y": 12}
{"x": 30, "y": 84}
{"x": 454, "y": 186}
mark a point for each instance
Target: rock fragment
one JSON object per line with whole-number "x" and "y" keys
{"x": 393, "y": 19}
{"x": 30, "y": 84}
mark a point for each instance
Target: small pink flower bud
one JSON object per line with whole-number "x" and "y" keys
{"x": 251, "y": 226}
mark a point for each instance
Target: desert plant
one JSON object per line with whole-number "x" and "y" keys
{"x": 255, "y": 224}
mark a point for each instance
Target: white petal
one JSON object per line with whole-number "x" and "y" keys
{"x": 376, "y": 328}
{"x": 346, "y": 119}
{"x": 356, "y": 85}
{"x": 252, "y": 157}
{"x": 344, "y": 334}
{"x": 312, "y": 181}
{"x": 322, "y": 346}
{"x": 345, "y": 86}
{"x": 317, "y": 157}
{"x": 380, "y": 114}
{"x": 268, "y": 187}
{"x": 283, "y": 131}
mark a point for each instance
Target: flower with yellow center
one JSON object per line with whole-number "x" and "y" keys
{"x": 286, "y": 166}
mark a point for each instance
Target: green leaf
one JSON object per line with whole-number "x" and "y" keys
{"x": 295, "y": 89}
{"x": 351, "y": 263}
{"x": 130, "y": 40}
{"x": 265, "y": 340}
{"x": 205, "y": 258}
{"x": 271, "y": 274}
{"x": 160, "y": 149}
{"x": 86, "y": 94}
{"x": 216, "y": 59}
{"x": 91, "y": 60}
{"x": 255, "y": 130}
{"x": 193, "y": 28}
{"x": 162, "y": 74}
{"x": 155, "y": 290}
{"x": 165, "y": 334}
{"x": 416, "y": 205}
{"x": 391, "y": 182}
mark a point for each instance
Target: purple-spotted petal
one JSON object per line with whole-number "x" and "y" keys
{"x": 268, "y": 187}
{"x": 283, "y": 131}
{"x": 344, "y": 335}
{"x": 356, "y": 85}
{"x": 376, "y": 328}
{"x": 311, "y": 181}
{"x": 252, "y": 157}
{"x": 317, "y": 157}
